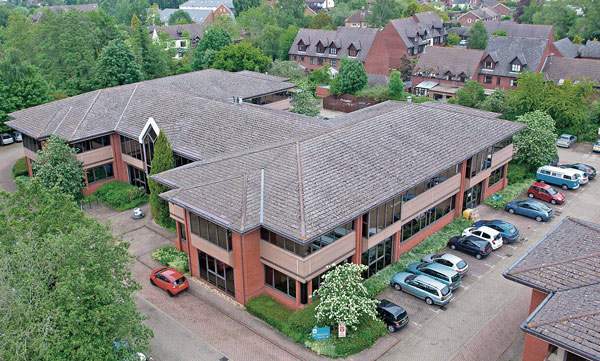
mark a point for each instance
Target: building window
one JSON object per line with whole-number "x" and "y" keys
{"x": 91, "y": 144}
{"x": 216, "y": 272}
{"x": 320, "y": 48}
{"x": 320, "y": 61}
{"x": 352, "y": 51}
{"x": 149, "y": 140}
{"x": 99, "y": 173}
{"x": 513, "y": 82}
{"x": 515, "y": 68}
{"x": 302, "y": 58}
{"x": 211, "y": 232}
{"x": 430, "y": 183}
{"x": 181, "y": 160}
{"x": 333, "y": 63}
{"x": 487, "y": 79}
{"x": 131, "y": 147}
{"x": 280, "y": 281}
{"x": 502, "y": 144}
{"x": 489, "y": 64}
{"x": 479, "y": 162}
{"x": 496, "y": 176}
{"x": 426, "y": 218}
{"x": 382, "y": 216}
{"x": 333, "y": 51}
{"x": 30, "y": 143}
{"x": 302, "y": 47}
{"x": 305, "y": 249}
{"x": 137, "y": 177}
{"x": 377, "y": 257}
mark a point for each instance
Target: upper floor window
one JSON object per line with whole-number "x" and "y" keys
{"x": 352, "y": 52}
{"x": 320, "y": 48}
{"x": 488, "y": 64}
{"x": 181, "y": 160}
{"x": 92, "y": 144}
{"x": 502, "y": 144}
{"x": 333, "y": 50}
{"x": 382, "y": 216}
{"x": 515, "y": 67}
{"x": 211, "y": 232}
{"x": 479, "y": 162}
{"x": 302, "y": 46}
{"x": 131, "y": 147}
{"x": 488, "y": 79}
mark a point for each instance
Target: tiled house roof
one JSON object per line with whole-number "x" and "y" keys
{"x": 197, "y": 15}
{"x": 513, "y": 29}
{"x": 559, "y": 69}
{"x": 62, "y": 8}
{"x": 312, "y": 184}
{"x": 205, "y": 4}
{"x": 455, "y": 61}
{"x": 195, "y": 31}
{"x": 342, "y": 38}
{"x": 591, "y": 49}
{"x": 504, "y": 50}
{"x": 357, "y": 17}
{"x": 419, "y": 28}
{"x": 565, "y": 264}
{"x": 567, "y": 48}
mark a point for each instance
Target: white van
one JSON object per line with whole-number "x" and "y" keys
{"x": 566, "y": 178}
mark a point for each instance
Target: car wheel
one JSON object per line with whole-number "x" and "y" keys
{"x": 530, "y": 195}
{"x": 391, "y": 328}
{"x": 152, "y": 282}
{"x": 565, "y": 187}
{"x": 171, "y": 294}
{"x": 511, "y": 211}
{"x": 553, "y": 201}
{"x": 452, "y": 246}
{"x": 538, "y": 218}
{"x": 429, "y": 301}
{"x": 478, "y": 256}
{"x": 397, "y": 287}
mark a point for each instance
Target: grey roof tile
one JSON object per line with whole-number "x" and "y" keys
{"x": 504, "y": 49}
{"x": 591, "y": 49}
{"x": 343, "y": 38}
{"x": 419, "y": 28}
{"x": 574, "y": 69}
{"x": 519, "y": 30}
{"x": 440, "y": 60}
{"x": 567, "y": 48}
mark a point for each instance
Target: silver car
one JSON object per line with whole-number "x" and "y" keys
{"x": 6, "y": 139}
{"x": 566, "y": 140}
{"x": 448, "y": 260}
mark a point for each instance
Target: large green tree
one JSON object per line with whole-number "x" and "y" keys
{"x": 478, "y": 36}
{"x": 117, "y": 66}
{"x": 21, "y": 86}
{"x": 214, "y": 39}
{"x": 535, "y": 144}
{"x": 241, "y": 56}
{"x": 290, "y": 12}
{"x": 65, "y": 283}
{"x": 57, "y": 168}
{"x": 124, "y": 10}
{"x": 559, "y": 14}
{"x": 287, "y": 69}
{"x": 242, "y": 5}
{"x": 304, "y": 102}
{"x": 153, "y": 61}
{"x": 396, "y": 86}
{"x": 471, "y": 95}
{"x": 180, "y": 17}
{"x": 350, "y": 79}
{"x": 162, "y": 161}
{"x": 382, "y": 11}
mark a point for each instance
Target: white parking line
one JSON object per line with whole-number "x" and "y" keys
{"x": 498, "y": 255}
{"x": 416, "y": 324}
{"x": 434, "y": 309}
{"x": 465, "y": 286}
{"x": 489, "y": 265}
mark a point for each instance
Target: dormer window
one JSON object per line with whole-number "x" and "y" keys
{"x": 333, "y": 50}
{"x": 515, "y": 67}
{"x": 302, "y": 46}
{"x": 320, "y": 48}
{"x": 489, "y": 64}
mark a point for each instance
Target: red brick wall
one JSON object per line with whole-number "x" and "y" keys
{"x": 282, "y": 298}
{"x": 504, "y": 82}
{"x": 468, "y": 19}
{"x": 91, "y": 188}
{"x": 386, "y": 52}
{"x": 306, "y": 62}
{"x": 253, "y": 269}
{"x": 534, "y": 348}
{"x": 358, "y": 224}
{"x": 461, "y": 193}
{"x": 120, "y": 168}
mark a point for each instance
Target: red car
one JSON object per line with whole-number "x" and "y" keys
{"x": 169, "y": 280}
{"x": 544, "y": 192}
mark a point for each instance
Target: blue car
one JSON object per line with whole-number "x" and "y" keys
{"x": 510, "y": 233}
{"x": 530, "y": 208}
{"x": 439, "y": 272}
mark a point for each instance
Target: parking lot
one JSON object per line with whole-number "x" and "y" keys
{"x": 482, "y": 321}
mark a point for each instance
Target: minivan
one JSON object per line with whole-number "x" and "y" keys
{"x": 565, "y": 178}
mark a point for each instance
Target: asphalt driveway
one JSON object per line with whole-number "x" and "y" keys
{"x": 9, "y": 154}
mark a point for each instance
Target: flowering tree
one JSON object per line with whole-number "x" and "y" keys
{"x": 344, "y": 298}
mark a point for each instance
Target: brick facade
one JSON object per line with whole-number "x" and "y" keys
{"x": 386, "y": 53}
{"x": 535, "y": 349}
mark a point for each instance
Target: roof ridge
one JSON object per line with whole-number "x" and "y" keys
{"x": 300, "y": 191}
{"x": 86, "y": 113}
{"x": 592, "y": 255}
{"x": 210, "y": 183}
{"x": 562, "y": 319}
{"x": 244, "y": 200}
{"x": 126, "y": 106}
{"x": 59, "y": 123}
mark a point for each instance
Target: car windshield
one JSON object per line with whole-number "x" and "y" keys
{"x": 507, "y": 227}
{"x": 179, "y": 281}
{"x": 565, "y": 137}
{"x": 552, "y": 191}
{"x": 461, "y": 264}
{"x": 445, "y": 291}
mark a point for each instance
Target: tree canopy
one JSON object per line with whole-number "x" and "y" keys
{"x": 304, "y": 102}
{"x": 117, "y": 66}
{"x": 535, "y": 144}
{"x": 241, "y": 56}
{"x": 214, "y": 39}
{"x": 396, "y": 86}
{"x": 78, "y": 299}
{"x": 478, "y": 37}
{"x": 162, "y": 161}
{"x": 243, "y": 5}
{"x": 350, "y": 79}
{"x": 471, "y": 95}
{"x": 180, "y": 17}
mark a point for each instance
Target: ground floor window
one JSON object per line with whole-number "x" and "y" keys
{"x": 137, "y": 177}
{"x": 216, "y": 272}
{"x": 426, "y": 218}
{"x": 472, "y": 197}
{"x": 280, "y": 281}
{"x": 496, "y": 176}
{"x": 99, "y": 173}
{"x": 377, "y": 257}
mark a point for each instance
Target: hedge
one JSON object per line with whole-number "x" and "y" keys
{"x": 171, "y": 257}
{"x": 297, "y": 325}
{"x": 120, "y": 196}
{"x": 500, "y": 199}
{"x": 19, "y": 169}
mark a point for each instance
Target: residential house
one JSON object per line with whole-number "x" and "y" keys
{"x": 440, "y": 71}
{"x": 590, "y": 50}
{"x": 402, "y": 39}
{"x": 264, "y": 200}
{"x": 481, "y": 14}
{"x": 564, "y": 312}
{"x": 84, "y": 8}
{"x": 460, "y": 4}
{"x": 181, "y": 38}
{"x": 559, "y": 70}
{"x": 498, "y": 7}
{"x": 357, "y": 20}
{"x": 318, "y": 5}
{"x": 313, "y": 48}
{"x": 204, "y": 12}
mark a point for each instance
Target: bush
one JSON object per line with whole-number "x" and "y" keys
{"x": 377, "y": 92}
{"x": 19, "y": 169}
{"x": 512, "y": 191}
{"x": 519, "y": 172}
{"x": 171, "y": 257}
{"x": 120, "y": 196}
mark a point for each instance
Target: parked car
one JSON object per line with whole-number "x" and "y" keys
{"x": 439, "y": 272}
{"x": 566, "y": 140}
{"x": 487, "y": 234}
{"x": 170, "y": 280}
{"x": 562, "y": 177}
{"x": 509, "y": 232}
{"x": 463, "y": 42}
{"x": 472, "y": 245}
{"x": 589, "y": 171}
{"x": 544, "y": 192}
{"x": 448, "y": 260}
{"x": 394, "y": 316}
{"x": 17, "y": 137}
{"x": 6, "y": 139}
{"x": 596, "y": 147}
{"x": 530, "y": 208}
{"x": 426, "y": 288}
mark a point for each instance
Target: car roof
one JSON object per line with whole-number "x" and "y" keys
{"x": 170, "y": 273}
{"x": 391, "y": 307}
{"x": 438, "y": 267}
{"x": 450, "y": 257}
{"x": 565, "y": 135}
{"x": 487, "y": 229}
{"x": 430, "y": 281}
{"x": 541, "y": 185}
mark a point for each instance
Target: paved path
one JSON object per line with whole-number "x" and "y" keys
{"x": 9, "y": 154}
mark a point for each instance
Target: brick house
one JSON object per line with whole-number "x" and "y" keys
{"x": 266, "y": 200}
{"x": 559, "y": 70}
{"x": 357, "y": 20}
{"x": 562, "y": 272}
{"x": 441, "y": 71}
{"x": 313, "y": 48}
{"x": 181, "y": 38}
{"x": 482, "y": 14}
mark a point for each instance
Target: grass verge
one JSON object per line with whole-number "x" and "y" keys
{"x": 120, "y": 196}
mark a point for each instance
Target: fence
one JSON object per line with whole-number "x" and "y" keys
{"x": 347, "y": 103}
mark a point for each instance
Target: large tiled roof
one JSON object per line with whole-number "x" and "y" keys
{"x": 571, "y": 320}
{"x": 191, "y": 4}
{"x": 504, "y": 49}
{"x": 411, "y": 29}
{"x": 462, "y": 109}
{"x": 357, "y": 17}
{"x": 197, "y": 15}
{"x": 440, "y": 60}
{"x": 591, "y": 49}
{"x": 177, "y": 31}
{"x": 559, "y": 69}
{"x": 343, "y": 37}
{"x": 568, "y": 257}
{"x": 519, "y": 30}
{"x": 312, "y": 184}
{"x": 567, "y": 48}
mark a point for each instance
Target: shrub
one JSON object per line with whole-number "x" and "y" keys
{"x": 519, "y": 172}
{"x": 120, "y": 195}
{"x": 512, "y": 191}
{"x": 19, "y": 169}
{"x": 377, "y": 93}
{"x": 171, "y": 257}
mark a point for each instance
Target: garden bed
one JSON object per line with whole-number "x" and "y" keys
{"x": 119, "y": 196}
{"x": 171, "y": 257}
